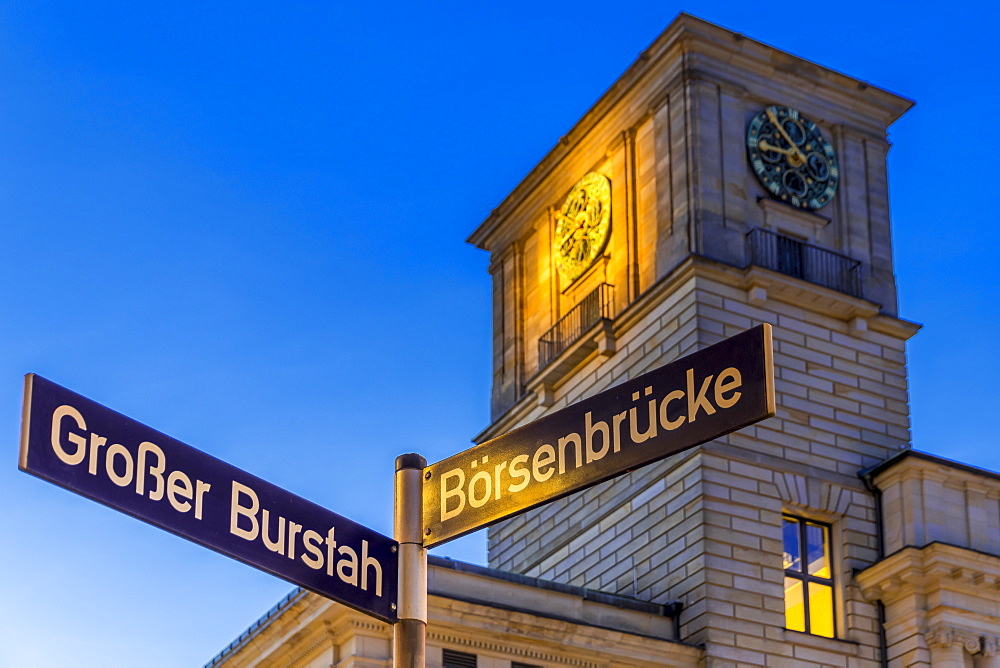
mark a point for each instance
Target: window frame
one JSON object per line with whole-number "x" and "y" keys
{"x": 803, "y": 576}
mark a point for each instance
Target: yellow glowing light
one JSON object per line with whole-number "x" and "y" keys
{"x": 795, "y": 610}
{"x": 808, "y": 602}
{"x": 583, "y": 225}
{"x": 821, "y": 610}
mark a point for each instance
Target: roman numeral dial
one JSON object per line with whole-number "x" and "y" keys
{"x": 791, "y": 158}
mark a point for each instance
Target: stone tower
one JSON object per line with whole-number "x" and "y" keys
{"x": 744, "y": 185}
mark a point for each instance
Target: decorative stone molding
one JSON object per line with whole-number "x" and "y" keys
{"x": 971, "y": 642}
{"x": 307, "y": 652}
{"x": 600, "y": 337}
{"x": 504, "y": 648}
{"x": 904, "y": 582}
{"x": 940, "y": 636}
{"x": 813, "y": 493}
{"x": 778, "y": 215}
{"x": 351, "y": 625}
{"x": 948, "y": 636}
{"x": 883, "y": 589}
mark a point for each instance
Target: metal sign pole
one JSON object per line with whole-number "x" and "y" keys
{"x": 409, "y": 634}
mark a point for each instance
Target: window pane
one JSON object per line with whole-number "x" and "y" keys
{"x": 791, "y": 537}
{"x": 818, "y": 553}
{"x": 820, "y": 609}
{"x": 795, "y": 612}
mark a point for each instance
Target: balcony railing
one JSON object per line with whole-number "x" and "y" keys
{"x": 593, "y": 308}
{"x": 811, "y": 263}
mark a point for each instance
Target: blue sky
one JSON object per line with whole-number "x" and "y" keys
{"x": 243, "y": 225}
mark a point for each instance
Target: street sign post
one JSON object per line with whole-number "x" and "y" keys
{"x": 409, "y": 633}
{"x": 89, "y": 449}
{"x": 692, "y": 400}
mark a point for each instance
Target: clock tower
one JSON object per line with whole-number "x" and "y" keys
{"x": 718, "y": 184}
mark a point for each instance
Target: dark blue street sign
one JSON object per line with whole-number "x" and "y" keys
{"x": 692, "y": 400}
{"x": 87, "y": 448}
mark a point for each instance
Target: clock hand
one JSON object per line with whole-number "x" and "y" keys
{"x": 569, "y": 235}
{"x": 565, "y": 239}
{"x": 796, "y": 157}
{"x": 765, "y": 145}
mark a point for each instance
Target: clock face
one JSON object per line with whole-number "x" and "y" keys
{"x": 583, "y": 226}
{"x": 791, "y": 158}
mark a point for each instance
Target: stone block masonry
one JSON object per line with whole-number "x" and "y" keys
{"x": 704, "y": 527}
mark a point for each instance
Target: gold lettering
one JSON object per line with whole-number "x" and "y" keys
{"x": 728, "y": 381}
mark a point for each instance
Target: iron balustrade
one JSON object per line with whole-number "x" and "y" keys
{"x": 802, "y": 260}
{"x": 596, "y": 306}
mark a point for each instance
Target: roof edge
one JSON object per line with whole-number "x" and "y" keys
{"x": 872, "y": 471}
{"x": 615, "y": 600}
{"x": 682, "y": 26}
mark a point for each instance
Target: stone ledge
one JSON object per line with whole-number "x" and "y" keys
{"x": 915, "y": 570}
{"x": 600, "y": 339}
{"x": 760, "y": 285}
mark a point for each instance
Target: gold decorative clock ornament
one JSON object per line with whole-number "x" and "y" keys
{"x": 791, "y": 158}
{"x": 583, "y": 225}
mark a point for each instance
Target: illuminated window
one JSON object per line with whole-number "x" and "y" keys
{"x": 808, "y": 577}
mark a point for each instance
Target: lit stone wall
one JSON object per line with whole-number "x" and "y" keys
{"x": 940, "y": 580}
{"x": 670, "y": 135}
{"x": 500, "y": 620}
{"x": 932, "y": 500}
{"x": 704, "y": 527}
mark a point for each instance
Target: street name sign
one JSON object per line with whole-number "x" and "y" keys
{"x": 89, "y": 449}
{"x": 692, "y": 400}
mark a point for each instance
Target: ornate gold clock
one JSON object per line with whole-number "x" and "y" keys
{"x": 791, "y": 158}
{"x": 583, "y": 226}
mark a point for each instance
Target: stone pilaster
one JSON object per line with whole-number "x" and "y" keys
{"x": 949, "y": 645}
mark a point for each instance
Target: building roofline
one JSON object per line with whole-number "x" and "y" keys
{"x": 615, "y": 600}
{"x": 682, "y": 28}
{"x": 290, "y": 599}
{"x": 433, "y": 561}
{"x": 871, "y": 472}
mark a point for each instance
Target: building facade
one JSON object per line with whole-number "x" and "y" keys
{"x": 718, "y": 184}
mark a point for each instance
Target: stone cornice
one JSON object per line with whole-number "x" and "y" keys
{"x": 485, "y": 627}
{"x": 306, "y": 651}
{"x": 693, "y": 49}
{"x": 316, "y": 624}
{"x": 916, "y": 571}
{"x": 914, "y": 464}
{"x": 493, "y": 645}
{"x": 760, "y": 284}
{"x": 355, "y": 623}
